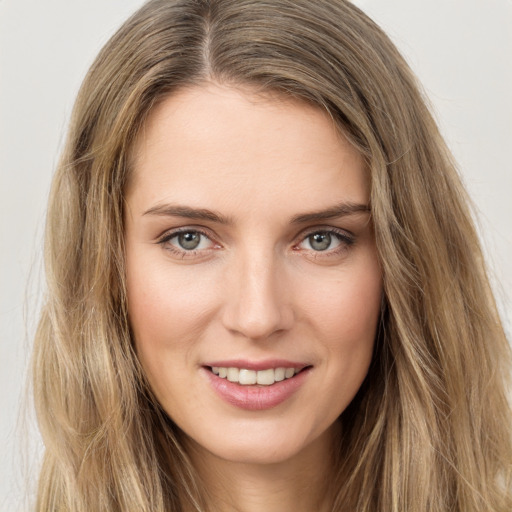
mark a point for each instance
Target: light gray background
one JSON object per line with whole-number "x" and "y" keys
{"x": 461, "y": 50}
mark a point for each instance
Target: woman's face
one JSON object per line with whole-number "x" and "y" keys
{"x": 253, "y": 282}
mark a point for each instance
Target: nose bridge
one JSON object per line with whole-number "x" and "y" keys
{"x": 256, "y": 306}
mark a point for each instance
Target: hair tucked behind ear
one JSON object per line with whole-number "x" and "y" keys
{"x": 430, "y": 430}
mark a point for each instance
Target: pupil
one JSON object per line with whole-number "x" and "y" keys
{"x": 320, "y": 241}
{"x": 189, "y": 240}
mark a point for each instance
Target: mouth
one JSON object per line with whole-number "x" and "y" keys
{"x": 256, "y": 386}
{"x": 250, "y": 377}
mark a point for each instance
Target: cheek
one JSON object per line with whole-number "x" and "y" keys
{"x": 347, "y": 306}
{"x": 165, "y": 320}
{"x": 344, "y": 318}
{"x": 164, "y": 306}
{"x": 167, "y": 311}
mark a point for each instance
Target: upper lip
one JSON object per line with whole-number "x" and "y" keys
{"x": 257, "y": 365}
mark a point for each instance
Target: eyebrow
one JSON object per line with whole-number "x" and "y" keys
{"x": 340, "y": 210}
{"x": 170, "y": 210}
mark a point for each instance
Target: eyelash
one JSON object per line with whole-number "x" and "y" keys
{"x": 167, "y": 237}
{"x": 346, "y": 241}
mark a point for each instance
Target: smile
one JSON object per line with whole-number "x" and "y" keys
{"x": 246, "y": 377}
{"x": 256, "y": 386}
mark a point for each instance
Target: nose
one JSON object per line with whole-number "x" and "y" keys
{"x": 256, "y": 302}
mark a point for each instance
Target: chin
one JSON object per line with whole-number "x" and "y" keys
{"x": 264, "y": 445}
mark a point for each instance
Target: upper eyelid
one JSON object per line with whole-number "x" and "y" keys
{"x": 324, "y": 229}
{"x": 171, "y": 233}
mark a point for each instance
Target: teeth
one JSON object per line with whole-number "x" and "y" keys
{"x": 250, "y": 377}
{"x": 279, "y": 374}
{"x": 233, "y": 374}
{"x": 266, "y": 377}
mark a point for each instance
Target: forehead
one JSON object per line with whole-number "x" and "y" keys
{"x": 207, "y": 142}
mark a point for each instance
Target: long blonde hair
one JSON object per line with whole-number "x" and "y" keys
{"x": 430, "y": 429}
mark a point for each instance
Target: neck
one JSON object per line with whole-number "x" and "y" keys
{"x": 300, "y": 483}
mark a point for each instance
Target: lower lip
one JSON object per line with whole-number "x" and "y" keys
{"x": 256, "y": 398}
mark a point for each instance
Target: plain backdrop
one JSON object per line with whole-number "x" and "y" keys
{"x": 460, "y": 49}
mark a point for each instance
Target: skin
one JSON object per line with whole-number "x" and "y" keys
{"x": 257, "y": 287}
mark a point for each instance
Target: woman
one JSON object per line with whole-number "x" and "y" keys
{"x": 265, "y": 289}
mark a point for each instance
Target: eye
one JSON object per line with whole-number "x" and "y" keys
{"x": 186, "y": 241}
{"x": 328, "y": 241}
{"x": 321, "y": 241}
